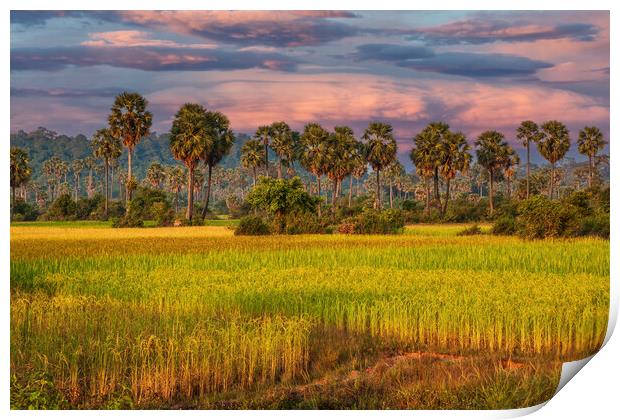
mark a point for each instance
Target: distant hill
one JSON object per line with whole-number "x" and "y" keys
{"x": 42, "y": 144}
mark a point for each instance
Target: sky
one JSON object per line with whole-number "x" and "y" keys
{"x": 474, "y": 70}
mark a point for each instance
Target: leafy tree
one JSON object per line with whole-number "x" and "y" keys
{"x": 380, "y": 150}
{"x": 252, "y": 156}
{"x": 264, "y": 134}
{"x": 283, "y": 144}
{"x": 189, "y": 137}
{"x": 453, "y": 156}
{"x": 492, "y": 154}
{"x": 528, "y": 133}
{"x": 280, "y": 197}
{"x": 105, "y": 146}
{"x": 221, "y": 140}
{"x": 130, "y": 121}
{"x": 20, "y": 172}
{"x": 553, "y": 145}
{"x": 589, "y": 143}
{"x": 314, "y": 155}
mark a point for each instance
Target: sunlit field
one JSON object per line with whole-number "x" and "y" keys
{"x": 195, "y": 317}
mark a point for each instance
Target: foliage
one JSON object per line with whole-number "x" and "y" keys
{"x": 504, "y": 225}
{"x": 472, "y": 230}
{"x": 464, "y": 209}
{"x": 162, "y": 213}
{"x": 371, "y": 221}
{"x": 538, "y": 217}
{"x": 90, "y": 208}
{"x": 63, "y": 208}
{"x": 252, "y": 226}
{"x": 23, "y": 211}
{"x": 36, "y": 392}
{"x": 132, "y": 217}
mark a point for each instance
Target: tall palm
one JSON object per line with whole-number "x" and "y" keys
{"x": 113, "y": 168}
{"x": 394, "y": 173}
{"x": 454, "y": 157}
{"x": 220, "y": 141}
{"x": 528, "y": 132}
{"x": 491, "y": 154}
{"x": 155, "y": 175}
{"x": 359, "y": 167}
{"x": 553, "y": 145}
{"x": 589, "y": 143}
{"x": 512, "y": 161}
{"x": 340, "y": 152}
{"x": 424, "y": 157}
{"x": 49, "y": 172}
{"x": 77, "y": 166}
{"x": 105, "y": 146}
{"x": 314, "y": 155}
{"x": 175, "y": 179}
{"x": 263, "y": 133}
{"x": 252, "y": 156}
{"x": 188, "y": 140}
{"x": 283, "y": 144}
{"x": 20, "y": 172}
{"x": 380, "y": 148}
{"x": 130, "y": 121}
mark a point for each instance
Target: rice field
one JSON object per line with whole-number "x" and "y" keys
{"x": 195, "y": 317}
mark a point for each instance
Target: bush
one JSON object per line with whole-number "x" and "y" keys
{"x": 539, "y": 217}
{"x": 90, "y": 208}
{"x": 300, "y": 223}
{"x": 23, "y": 211}
{"x": 464, "y": 210}
{"x": 504, "y": 225}
{"x": 63, "y": 208}
{"x": 133, "y": 217}
{"x": 162, "y": 213}
{"x": 252, "y": 226}
{"x": 373, "y": 221}
{"x": 595, "y": 225}
{"x": 472, "y": 230}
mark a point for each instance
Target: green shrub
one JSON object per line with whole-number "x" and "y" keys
{"x": 504, "y": 225}
{"x": 162, "y": 213}
{"x": 23, "y": 211}
{"x": 90, "y": 208}
{"x": 464, "y": 210}
{"x": 470, "y": 231}
{"x": 539, "y": 217}
{"x": 63, "y": 208}
{"x": 252, "y": 226}
{"x": 299, "y": 223}
{"x": 595, "y": 225}
{"x": 372, "y": 221}
{"x": 132, "y": 218}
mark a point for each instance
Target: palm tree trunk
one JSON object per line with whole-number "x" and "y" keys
{"x": 527, "y": 175}
{"x": 491, "y": 193}
{"x": 350, "y": 189}
{"x": 254, "y": 181}
{"x": 105, "y": 211}
{"x": 436, "y": 185}
{"x": 205, "y": 209}
{"x": 129, "y": 177}
{"x": 427, "y": 181}
{"x": 551, "y": 181}
{"x": 447, "y": 198}
{"x": 111, "y": 182}
{"x": 378, "y": 191}
{"x": 591, "y": 171}
{"x": 279, "y": 168}
{"x": 190, "y": 193}
{"x": 318, "y": 182}
{"x": 391, "y": 195}
{"x": 12, "y": 202}
{"x": 334, "y": 193}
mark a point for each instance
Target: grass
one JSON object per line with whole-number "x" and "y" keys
{"x": 195, "y": 317}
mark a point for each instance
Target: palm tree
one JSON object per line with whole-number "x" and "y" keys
{"x": 20, "y": 172}
{"x": 491, "y": 154}
{"x": 188, "y": 140}
{"x": 175, "y": 179}
{"x": 105, "y": 146}
{"x": 155, "y": 175}
{"x": 113, "y": 166}
{"x": 380, "y": 148}
{"x": 512, "y": 160}
{"x": 221, "y": 139}
{"x": 77, "y": 166}
{"x": 453, "y": 153}
{"x": 315, "y": 145}
{"x": 283, "y": 144}
{"x": 130, "y": 122}
{"x": 252, "y": 156}
{"x": 341, "y": 150}
{"x": 425, "y": 157}
{"x": 394, "y": 173}
{"x": 358, "y": 167}
{"x": 589, "y": 143}
{"x": 263, "y": 133}
{"x": 554, "y": 144}
{"x": 528, "y": 133}
{"x": 49, "y": 171}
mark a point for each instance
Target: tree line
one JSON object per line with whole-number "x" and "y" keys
{"x": 198, "y": 136}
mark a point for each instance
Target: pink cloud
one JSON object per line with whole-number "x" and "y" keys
{"x": 134, "y": 39}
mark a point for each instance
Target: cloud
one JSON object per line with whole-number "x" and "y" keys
{"x": 391, "y": 52}
{"x": 477, "y": 65}
{"x": 65, "y": 93}
{"x": 271, "y": 28}
{"x": 146, "y": 58}
{"x": 453, "y": 63}
{"x": 482, "y": 31}
{"x": 40, "y": 17}
{"x": 132, "y": 38}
